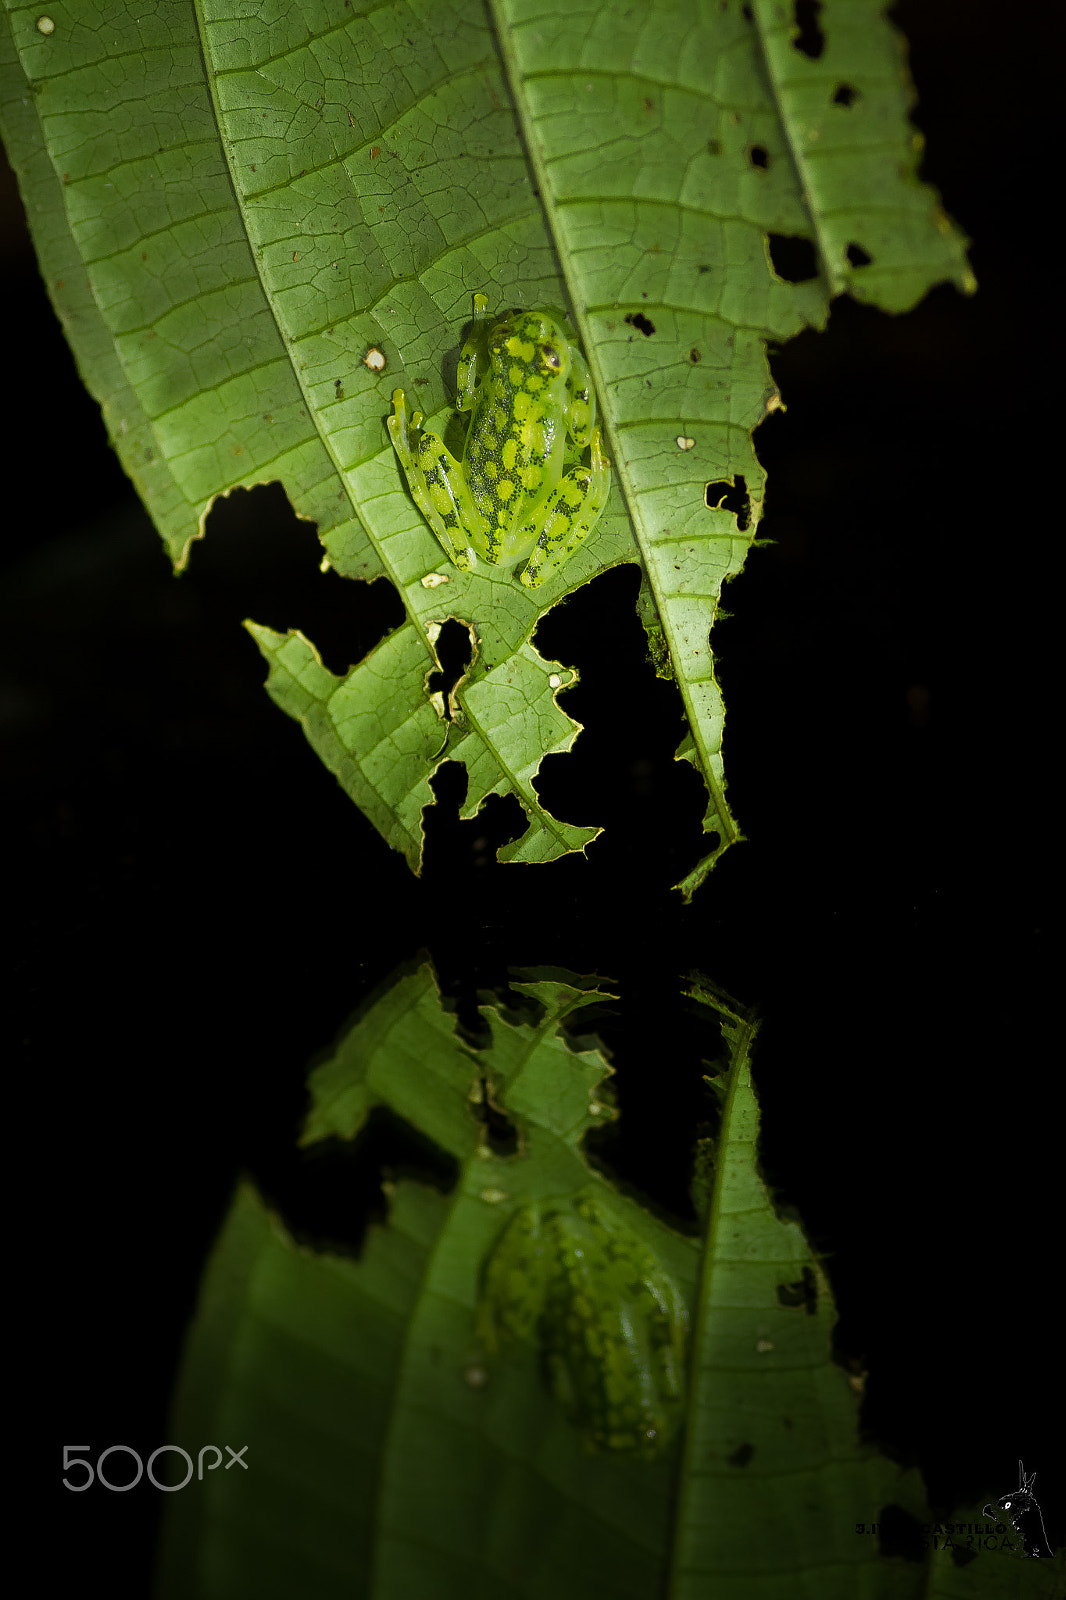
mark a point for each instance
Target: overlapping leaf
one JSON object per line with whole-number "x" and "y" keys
{"x": 281, "y": 211}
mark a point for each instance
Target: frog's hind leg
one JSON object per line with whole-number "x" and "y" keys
{"x": 572, "y": 511}
{"x": 436, "y": 482}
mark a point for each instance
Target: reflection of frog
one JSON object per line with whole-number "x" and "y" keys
{"x": 609, "y": 1321}
{"x": 520, "y": 490}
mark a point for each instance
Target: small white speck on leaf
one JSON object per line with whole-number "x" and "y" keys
{"x": 374, "y": 359}
{"x": 45, "y": 25}
{"x": 554, "y": 681}
{"x": 492, "y": 1197}
{"x": 476, "y": 1377}
{"x": 325, "y": 565}
{"x": 763, "y": 1345}
{"x": 433, "y": 580}
{"x": 683, "y": 443}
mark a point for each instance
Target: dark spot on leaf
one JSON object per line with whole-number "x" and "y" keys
{"x": 845, "y": 96}
{"x": 638, "y": 320}
{"x": 741, "y": 1456}
{"x": 857, "y": 256}
{"x": 714, "y": 147}
{"x": 694, "y": 355}
{"x": 792, "y": 258}
{"x": 808, "y": 37}
{"x": 731, "y": 496}
{"x": 745, "y": 12}
{"x": 759, "y": 156}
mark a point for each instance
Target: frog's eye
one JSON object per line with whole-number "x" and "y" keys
{"x": 551, "y": 358}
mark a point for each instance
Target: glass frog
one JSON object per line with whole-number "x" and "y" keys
{"x": 520, "y": 493}
{"x": 608, "y": 1319}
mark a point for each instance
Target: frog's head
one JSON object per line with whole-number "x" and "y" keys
{"x": 534, "y": 340}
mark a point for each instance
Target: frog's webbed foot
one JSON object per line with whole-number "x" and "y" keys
{"x": 572, "y": 511}
{"x": 436, "y": 482}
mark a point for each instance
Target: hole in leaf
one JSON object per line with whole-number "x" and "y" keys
{"x": 649, "y": 1146}
{"x": 845, "y": 95}
{"x": 804, "y": 1292}
{"x": 792, "y": 258}
{"x": 456, "y": 848}
{"x": 501, "y": 1135}
{"x": 901, "y": 1534}
{"x": 638, "y": 320}
{"x": 759, "y": 156}
{"x": 259, "y": 559}
{"x": 731, "y": 496}
{"x": 454, "y": 648}
{"x": 449, "y": 784}
{"x": 857, "y": 256}
{"x": 334, "y": 1192}
{"x": 808, "y": 37}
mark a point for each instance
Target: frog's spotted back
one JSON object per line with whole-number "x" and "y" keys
{"x": 608, "y": 1319}
{"x": 521, "y": 492}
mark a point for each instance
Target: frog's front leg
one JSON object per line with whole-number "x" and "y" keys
{"x": 437, "y": 484}
{"x": 571, "y": 512}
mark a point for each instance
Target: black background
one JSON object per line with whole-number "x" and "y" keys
{"x": 196, "y": 908}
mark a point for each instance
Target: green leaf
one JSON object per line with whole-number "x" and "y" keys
{"x": 254, "y": 221}
{"x": 408, "y": 1428}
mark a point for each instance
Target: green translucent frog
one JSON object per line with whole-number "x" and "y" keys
{"x": 609, "y": 1321}
{"x": 520, "y": 492}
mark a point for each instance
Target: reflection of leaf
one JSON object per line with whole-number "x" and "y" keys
{"x": 253, "y": 224}
{"x": 394, "y": 1450}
